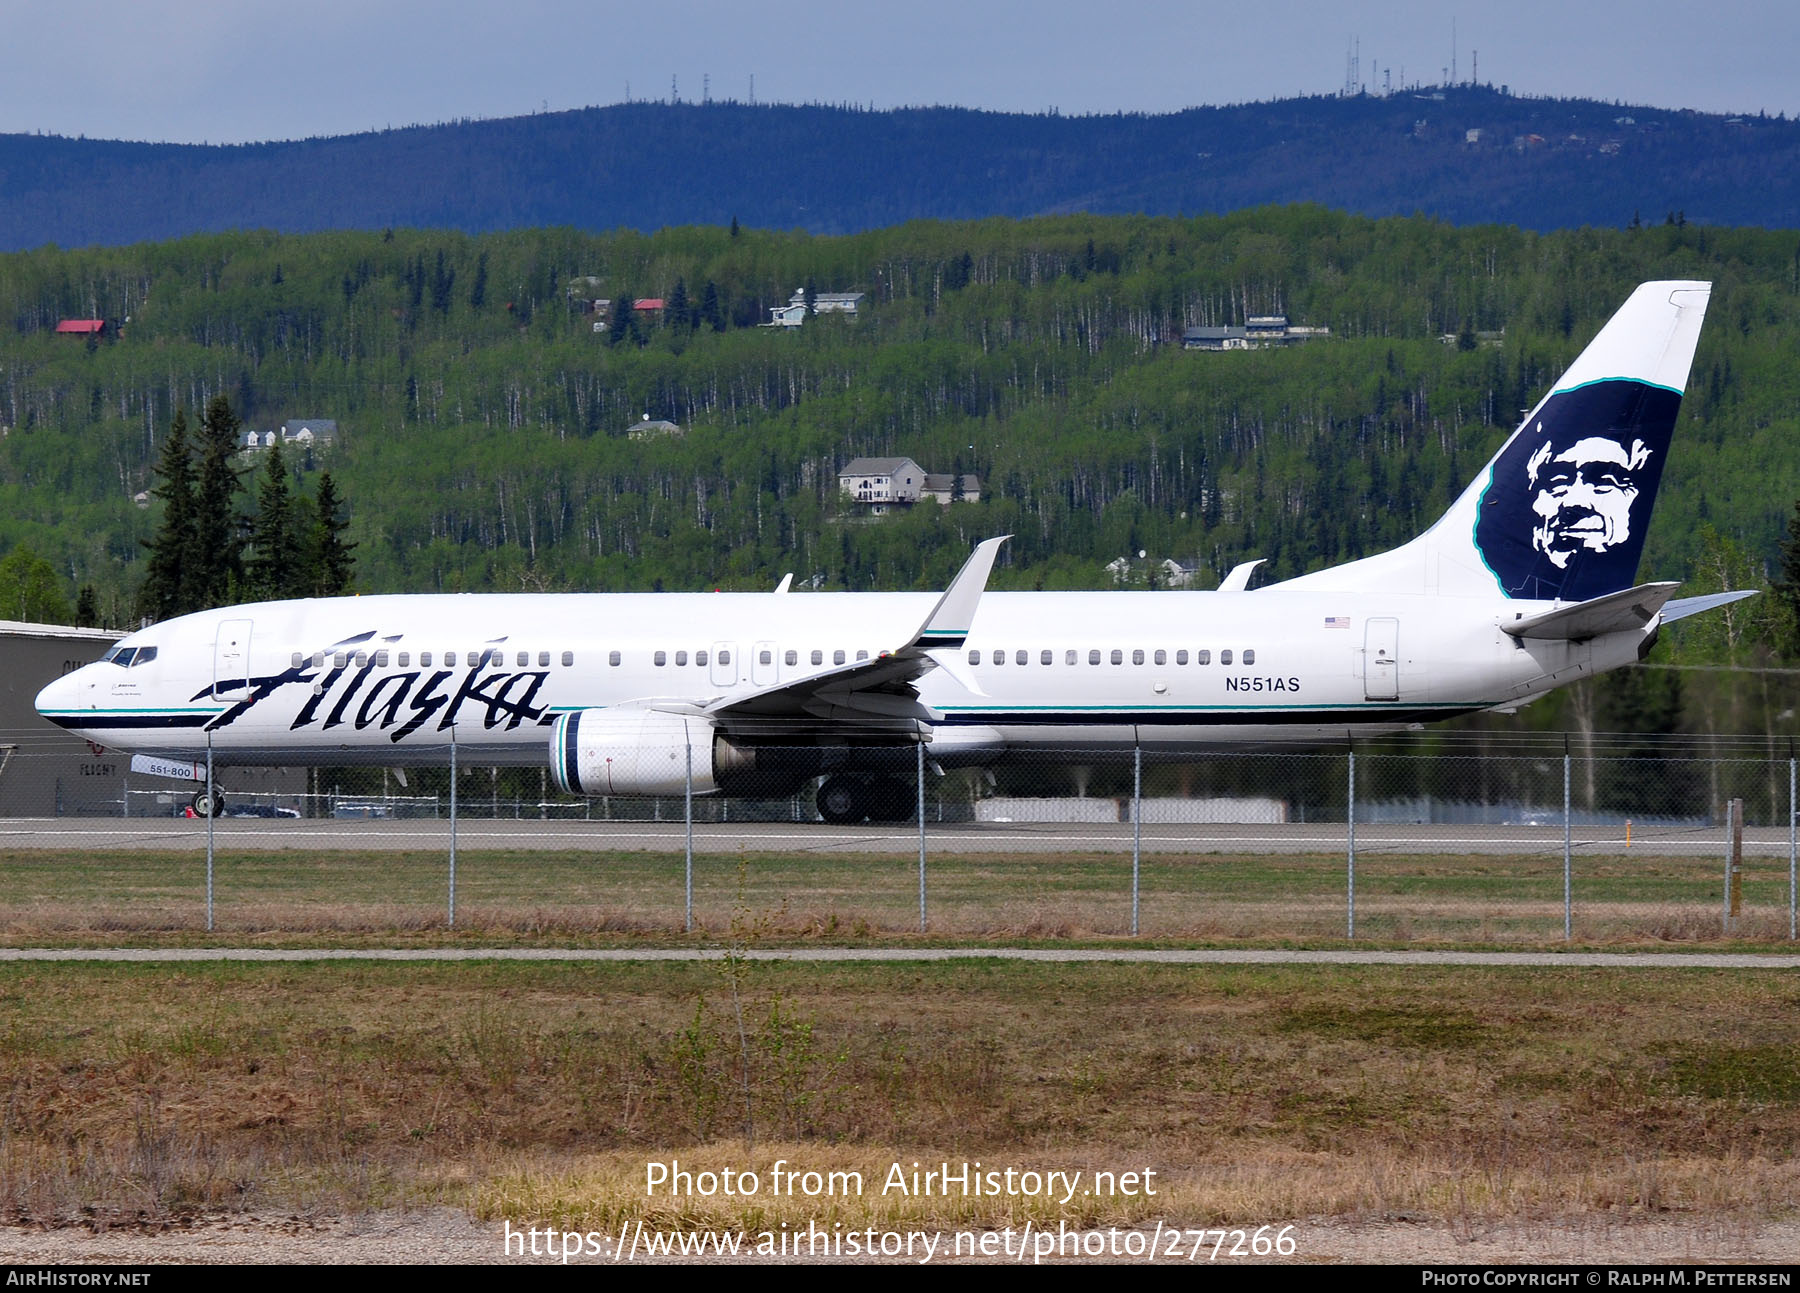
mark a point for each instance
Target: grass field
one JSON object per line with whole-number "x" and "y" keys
{"x": 142, "y": 1094}
{"x": 627, "y": 897}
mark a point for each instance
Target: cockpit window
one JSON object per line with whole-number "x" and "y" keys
{"x": 144, "y": 656}
{"x": 121, "y": 656}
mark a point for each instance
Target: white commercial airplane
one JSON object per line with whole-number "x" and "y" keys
{"x": 1525, "y": 584}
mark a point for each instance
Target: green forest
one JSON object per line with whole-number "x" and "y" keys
{"x": 484, "y": 420}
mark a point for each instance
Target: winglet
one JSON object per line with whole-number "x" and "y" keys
{"x": 787, "y": 582}
{"x": 948, "y": 623}
{"x": 1238, "y": 580}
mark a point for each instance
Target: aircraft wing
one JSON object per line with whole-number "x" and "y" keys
{"x": 876, "y": 692}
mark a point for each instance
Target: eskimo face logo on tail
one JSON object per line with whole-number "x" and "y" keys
{"x": 1569, "y": 499}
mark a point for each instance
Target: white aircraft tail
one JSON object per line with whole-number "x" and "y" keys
{"x": 1561, "y": 512}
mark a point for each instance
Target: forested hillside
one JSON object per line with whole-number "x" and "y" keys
{"x": 483, "y": 419}
{"x": 1464, "y": 153}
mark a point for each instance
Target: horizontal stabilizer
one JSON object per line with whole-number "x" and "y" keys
{"x": 1682, "y": 607}
{"x": 1614, "y": 613}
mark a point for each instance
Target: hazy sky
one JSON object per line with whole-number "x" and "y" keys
{"x": 235, "y": 70}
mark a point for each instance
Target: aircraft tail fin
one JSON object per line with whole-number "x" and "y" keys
{"x": 1560, "y": 513}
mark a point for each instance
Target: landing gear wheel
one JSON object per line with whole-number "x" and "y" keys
{"x": 205, "y": 805}
{"x": 893, "y": 800}
{"x": 843, "y": 801}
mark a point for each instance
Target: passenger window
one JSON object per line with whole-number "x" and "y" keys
{"x": 1250, "y": 657}
{"x": 765, "y": 657}
{"x": 381, "y": 659}
{"x": 424, "y": 659}
{"x": 837, "y": 656}
{"x": 1224, "y": 657}
{"x": 1118, "y": 656}
{"x": 974, "y": 657}
{"x": 699, "y": 659}
{"x": 681, "y": 657}
{"x": 724, "y": 657}
{"x": 297, "y": 659}
{"x": 1137, "y": 656}
{"x": 660, "y": 658}
{"x": 792, "y": 657}
{"x": 1093, "y": 657}
{"x": 339, "y": 660}
{"x": 543, "y": 660}
{"x": 1162, "y": 657}
{"x": 1022, "y": 657}
{"x": 524, "y": 658}
{"x": 362, "y": 659}
{"x": 1045, "y": 657}
{"x": 1203, "y": 657}
{"x": 862, "y": 655}
{"x": 612, "y": 658}
{"x": 999, "y": 656}
{"x": 1069, "y": 658}
{"x": 449, "y": 659}
{"x": 1181, "y": 656}
{"x": 405, "y": 659}
{"x": 818, "y": 657}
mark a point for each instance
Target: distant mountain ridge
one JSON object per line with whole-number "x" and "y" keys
{"x": 1469, "y": 154}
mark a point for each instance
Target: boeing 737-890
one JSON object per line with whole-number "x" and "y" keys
{"x": 1526, "y": 584}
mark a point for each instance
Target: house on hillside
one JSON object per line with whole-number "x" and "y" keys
{"x": 793, "y": 314}
{"x": 1260, "y": 332}
{"x": 307, "y": 433}
{"x": 649, "y": 428}
{"x": 81, "y": 328}
{"x": 881, "y": 483}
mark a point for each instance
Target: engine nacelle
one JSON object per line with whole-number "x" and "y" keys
{"x": 632, "y": 751}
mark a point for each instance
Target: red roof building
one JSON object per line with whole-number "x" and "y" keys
{"x": 82, "y": 327}
{"x": 647, "y": 303}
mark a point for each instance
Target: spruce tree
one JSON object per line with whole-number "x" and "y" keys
{"x": 332, "y": 567}
{"x": 171, "y": 584}
{"x": 218, "y": 544}
{"x": 275, "y": 567}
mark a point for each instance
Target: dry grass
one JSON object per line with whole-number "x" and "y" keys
{"x": 625, "y": 898}
{"x": 537, "y": 1092}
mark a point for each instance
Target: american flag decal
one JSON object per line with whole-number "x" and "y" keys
{"x": 1337, "y": 621}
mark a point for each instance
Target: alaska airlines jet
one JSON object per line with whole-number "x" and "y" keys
{"x": 1526, "y": 584}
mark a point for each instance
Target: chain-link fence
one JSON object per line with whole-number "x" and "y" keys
{"x": 1520, "y": 841}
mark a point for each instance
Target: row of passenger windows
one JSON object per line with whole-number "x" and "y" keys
{"x": 1116, "y": 656}
{"x": 360, "y": 659}
{"x": 764, "y": 656}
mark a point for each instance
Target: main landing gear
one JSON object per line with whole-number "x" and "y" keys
{"x": 844, "y": 800}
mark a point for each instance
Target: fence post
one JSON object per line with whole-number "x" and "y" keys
{"x": 1734, "y": 862}
{"x": 1568, "y": 893}
{"x": 921, "y": 749}
{"x": 1350, "y": 836}
{"x": 452, "y": 923}
{"x": 1137, "y": 827}
{"x": 688, "y": 813}
{"x": 1793, "y": 853}
{"x": 212, "y": 811}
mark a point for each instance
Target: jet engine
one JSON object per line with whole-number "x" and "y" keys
{"x": 630, "y": 750}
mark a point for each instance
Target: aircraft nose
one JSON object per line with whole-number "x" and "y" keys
{"x": 60, "y": 696}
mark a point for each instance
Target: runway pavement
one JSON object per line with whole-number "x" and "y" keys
{"x": 240, "y": 834}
